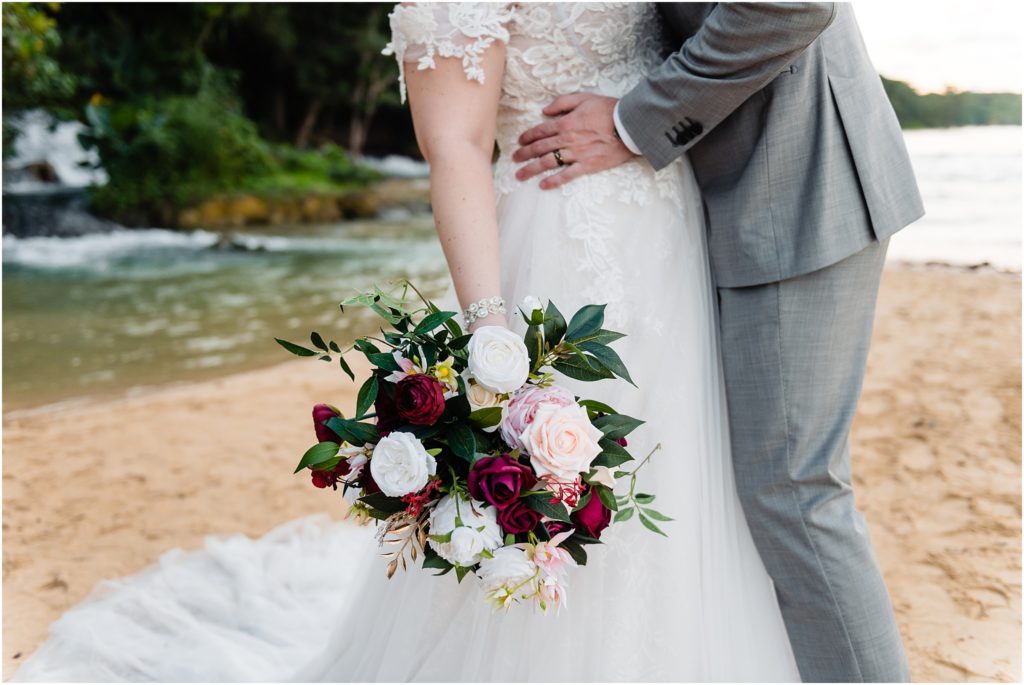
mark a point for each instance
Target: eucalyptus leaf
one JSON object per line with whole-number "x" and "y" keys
{"x": 643, "y": 498}
{"x": 624, "y": 515}
{"x": 648, "y": 524}
{"x": 345, "y": 367}
{"x": 297, "y": 350}
{"x": 656, "y": 515}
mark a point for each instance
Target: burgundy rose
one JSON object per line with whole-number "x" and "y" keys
{"x": 594, "y": 517}
{"x": 518, "y": 518}
{"x": 499, "y": 480}
{"x": 329, "y": 478}
{"x": 419, "y": 399}
{"x": 321, "y": 413}
{"x": 622, "y": 442}
{"x": 556, "y": 527}
{"x": 387, "y": 415}
{"x": 366, "y": 481}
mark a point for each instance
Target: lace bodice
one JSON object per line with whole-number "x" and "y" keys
{"x": 553, "y": 48}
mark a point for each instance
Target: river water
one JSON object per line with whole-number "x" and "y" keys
{"x": 104, "y": 313}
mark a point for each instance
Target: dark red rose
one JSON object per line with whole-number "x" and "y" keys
{"x": 518, "y": 518}
{"x": 387, "y": 415}
{"x": 419, "y": 399}
{"x": 594, "y": 517}
{"x": 499, "y": 480}
{"x": 556, "y": 527}
{"x": 622, "y": 441}
{"x": 329, "y": 478}
{"x": 321, "y": 413}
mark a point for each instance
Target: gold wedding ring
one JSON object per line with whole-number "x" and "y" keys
{"x": 558, "y": 158}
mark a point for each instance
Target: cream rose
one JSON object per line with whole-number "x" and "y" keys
{"x": 401, "y": 465}
{"x": 473, "y": 528}
{"x": 498, "y": 359}
{"x": 481, "y": 398}
{"x": 508, "y": 574}
{"x": 561, "y": 441}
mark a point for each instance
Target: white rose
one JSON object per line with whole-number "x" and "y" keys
{"x": 498, "y": 359}
{"x": 401, "y": 465}
{"x": 561, "y": 441}
{"x": 603, "y": 475}
{"x": 509, "y": 567}
{"x": 530, "y": 304}
{"x": 479, "y": 530}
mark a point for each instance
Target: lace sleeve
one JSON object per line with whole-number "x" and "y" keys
{"x": 422, "y": 31}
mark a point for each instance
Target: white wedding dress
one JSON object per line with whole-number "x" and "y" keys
{"x": 310, "y": 601}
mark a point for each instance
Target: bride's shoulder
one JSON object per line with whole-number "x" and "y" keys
{"x": 424, "y": 31}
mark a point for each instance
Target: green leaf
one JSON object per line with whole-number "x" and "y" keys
{"x": 615, "y": 426}
{"x": 574, "y": 368}
{"x": 610, "y": 358}
{"x": 510, "y": 539}
{"x": 365, "y": 346}
{"x": 352, "y": 431}
{"x": 384, "y": 360}
{"x": 432, "y": 321}
{"x": 461, "y": 571}
{"x": 583, "y": 500}
{"x": 486, "y": 417}
{"x": 575, "y": 551}
{"x": 602, "y": 337}
{"x": 657, "y": 515}
{"x": 533, "y": 341}
{"x": 649, "y": 525}
{"x": 318, "y": 341}
{"x": 345, "y": 367}
{"x": 462, "y": 442}
{"x": 607, "y": 497}
{"x": 318, "y": 454}
{"x": 334, "y": 346}
{"x": 624, "y": 515}
{"x": 542, "y": 505}
{"x": 460, "y": 342}
{"x": 367, "y": 394}
{"x": 297, "y": 350}
{"x": 435, "y": 561}
{"x": 643, "y": 498}
{"x": 586, "y": 321}
{"x": 554, "y": 325}
{"x": 596, "y": 406}
{"x": 612, "y": 454}
{"x": 383, "y": 503}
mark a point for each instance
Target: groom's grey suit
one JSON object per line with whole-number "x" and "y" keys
{"x": 804, "y": 175}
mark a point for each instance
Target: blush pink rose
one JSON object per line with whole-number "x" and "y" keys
{"x": 522, "y": 407}
{"x": 561, "y": 441}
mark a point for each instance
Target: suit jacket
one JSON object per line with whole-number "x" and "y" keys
{"x": 793, "y": 142}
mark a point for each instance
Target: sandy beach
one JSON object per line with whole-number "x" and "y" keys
{"x": 102, "y": 489}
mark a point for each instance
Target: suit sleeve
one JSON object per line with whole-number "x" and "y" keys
{"x": 737, "y": 51}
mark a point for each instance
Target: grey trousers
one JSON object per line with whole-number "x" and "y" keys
{"x": 794, "y": 354}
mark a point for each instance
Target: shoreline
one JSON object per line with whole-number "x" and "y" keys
{"x": 143, "y": 390}
{"x": 936, "y": 446}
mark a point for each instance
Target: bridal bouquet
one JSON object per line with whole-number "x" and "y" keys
{"x": 468, "y": 452}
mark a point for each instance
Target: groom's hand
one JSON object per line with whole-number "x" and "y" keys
{"x": 583, "y": 131}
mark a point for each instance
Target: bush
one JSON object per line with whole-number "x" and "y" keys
{"x": 165, "y": 153}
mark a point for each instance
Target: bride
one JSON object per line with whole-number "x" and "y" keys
{"x": 696, "y": 605}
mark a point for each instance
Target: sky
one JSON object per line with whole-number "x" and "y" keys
{"x": 967, "y": 44}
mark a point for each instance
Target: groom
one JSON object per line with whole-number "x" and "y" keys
{"x": 804, "y": 176}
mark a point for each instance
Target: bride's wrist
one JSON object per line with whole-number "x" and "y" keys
{"x": 489, "y": 320}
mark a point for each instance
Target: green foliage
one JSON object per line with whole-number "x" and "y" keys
{"x": 164, "y": 153}
{"x": 32, "y": 76}
{"x": 952, "y": 108}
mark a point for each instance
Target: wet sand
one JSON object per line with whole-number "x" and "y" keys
{"x": 101, "y": 489}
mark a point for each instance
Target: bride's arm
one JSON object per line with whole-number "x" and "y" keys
{"x": 455, "y": 120}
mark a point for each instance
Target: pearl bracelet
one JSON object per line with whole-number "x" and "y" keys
{"x": 484, "y": 308}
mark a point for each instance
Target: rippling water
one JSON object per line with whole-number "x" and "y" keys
{"x": 101, "y": 313}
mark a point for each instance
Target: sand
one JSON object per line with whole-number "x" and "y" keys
{"x": 101, "y": 489}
